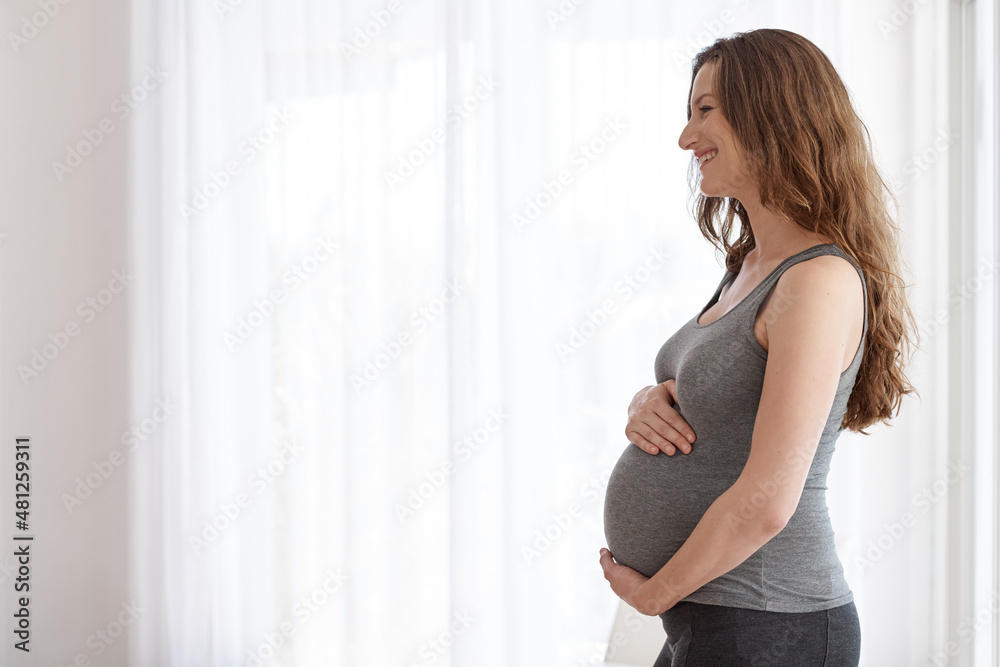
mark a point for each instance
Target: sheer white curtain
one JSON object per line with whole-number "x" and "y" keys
{"x": 403, "y": 266}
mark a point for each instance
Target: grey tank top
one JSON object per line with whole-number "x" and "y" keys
{"x": 653, "y": 503}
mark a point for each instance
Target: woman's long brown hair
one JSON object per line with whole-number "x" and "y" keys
{"x": 810, "y": 155}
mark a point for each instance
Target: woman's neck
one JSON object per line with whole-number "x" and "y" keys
{"x": 776, "y": 237}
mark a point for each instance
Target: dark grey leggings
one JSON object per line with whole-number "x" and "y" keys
{"x": 704, "y": 635}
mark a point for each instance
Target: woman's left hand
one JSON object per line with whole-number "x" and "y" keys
{"x": 629, "y": 585}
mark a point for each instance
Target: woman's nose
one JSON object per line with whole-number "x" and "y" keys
{"x": 687, "y": 137}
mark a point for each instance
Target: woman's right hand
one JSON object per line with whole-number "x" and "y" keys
{"x": 654, "y": 425}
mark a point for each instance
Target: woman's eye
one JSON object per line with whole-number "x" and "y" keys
{"x": 703, "y": 109}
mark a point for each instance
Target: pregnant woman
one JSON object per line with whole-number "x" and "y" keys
{"x": 716, "y": 514}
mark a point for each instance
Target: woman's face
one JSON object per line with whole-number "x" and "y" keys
{"x": 707, "y": 133}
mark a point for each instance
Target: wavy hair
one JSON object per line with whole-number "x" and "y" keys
{"x": 809, "y": 153}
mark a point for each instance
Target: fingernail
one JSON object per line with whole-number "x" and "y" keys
{"x": 690, "y": 436}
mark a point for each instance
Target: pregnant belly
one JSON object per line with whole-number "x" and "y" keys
{"x": 653, "y": 503}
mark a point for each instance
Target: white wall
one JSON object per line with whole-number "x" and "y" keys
{"x": 62, "y": 242}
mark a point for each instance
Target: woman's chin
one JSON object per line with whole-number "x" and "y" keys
{"x": 720, "y": 193}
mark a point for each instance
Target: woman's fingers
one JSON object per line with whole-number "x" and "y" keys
{"x": 646, "y": 446}
{"x": 652, "y": 433}
{"x": 668, "y": 413}
{"x": 679, "y": 431}
{"x": 669, "y": 431}
{"x": 654, "y": 425}
{"x": 662, "y": 438}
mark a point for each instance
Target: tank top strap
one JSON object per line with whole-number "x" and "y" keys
{"x": 759, "y": 293}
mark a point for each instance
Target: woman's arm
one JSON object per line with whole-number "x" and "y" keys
{"x": 807, "y": 343}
